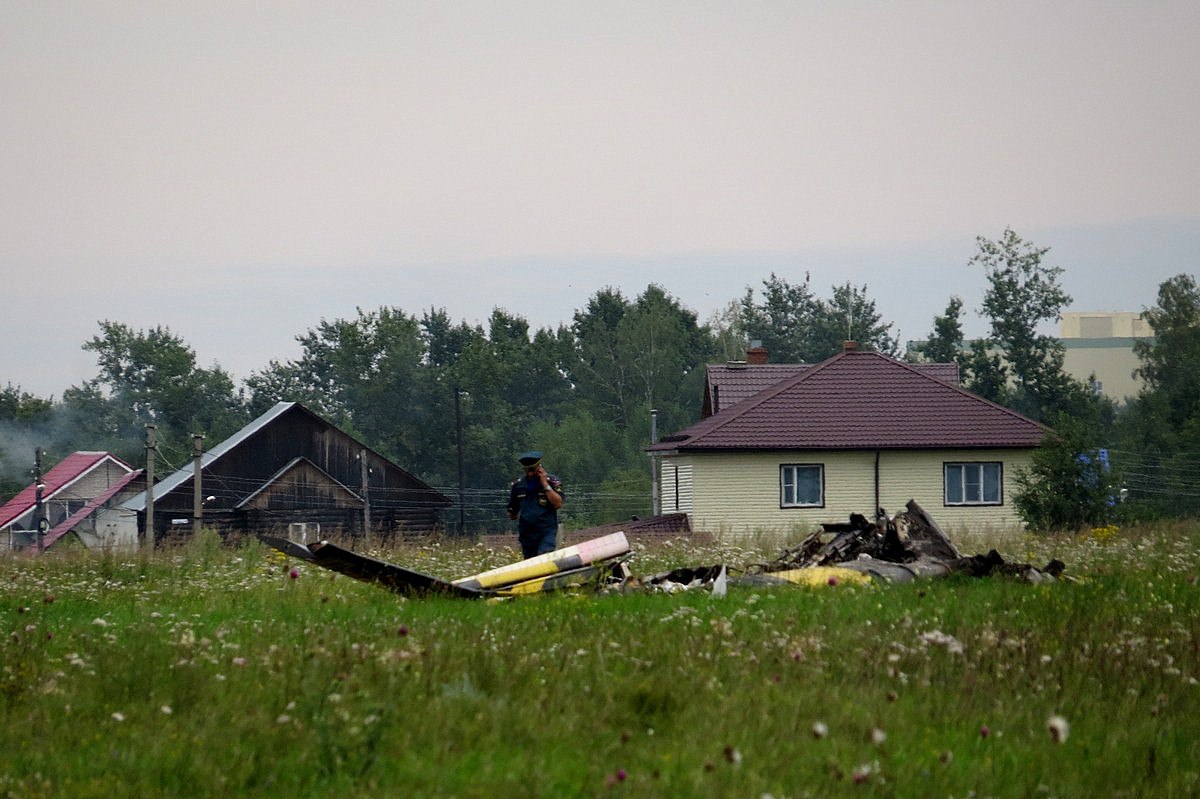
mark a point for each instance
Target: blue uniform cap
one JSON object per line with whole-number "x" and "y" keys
{"x": 530, "y": 458}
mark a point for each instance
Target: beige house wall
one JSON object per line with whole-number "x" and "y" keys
{"x": 737, "y": 495}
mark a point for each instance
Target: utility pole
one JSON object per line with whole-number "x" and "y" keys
{"x": 39, "y": 513}
{"x": 148, "y": 530}
{"x": 655, "y": 503}
{"x": 366, "y": 491}
{"x": 197, "y": 493}
{"x": 462, "y": 499}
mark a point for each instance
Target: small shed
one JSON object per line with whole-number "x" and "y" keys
{"x": 293, "y": 473}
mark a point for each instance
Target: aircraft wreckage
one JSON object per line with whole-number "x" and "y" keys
{"x": 904, "y": 547}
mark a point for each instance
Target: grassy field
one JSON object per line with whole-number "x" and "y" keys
{"x": 211, "y": 672}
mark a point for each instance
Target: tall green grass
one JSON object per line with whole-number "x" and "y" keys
{"x": 210, "y": 672}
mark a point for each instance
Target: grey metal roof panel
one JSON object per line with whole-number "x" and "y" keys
{"x": 173, "y": 481}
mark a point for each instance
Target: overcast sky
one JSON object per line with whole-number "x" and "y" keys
{"x": 240, "y": 171}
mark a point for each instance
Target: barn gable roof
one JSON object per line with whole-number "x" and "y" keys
{"x": 184, "y": 474}
{"x": 859, "y": 400}
{"x": 301, "y": 466}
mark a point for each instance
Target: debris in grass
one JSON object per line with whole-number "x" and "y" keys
{"x": 897, "y": 549}
{"x": 901, "y": 548}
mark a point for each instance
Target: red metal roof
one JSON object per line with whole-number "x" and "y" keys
{"x": 860, "y": 400}
{"x": 63, "y": 474}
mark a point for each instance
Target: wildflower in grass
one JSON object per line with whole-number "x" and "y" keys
{"x": 284, "y": 718}
{"x": 878, "y": 736}
{"x": 294, "y": 573}
{"x": 819, "y": 730}
{"x": 984, "y": 731}
{"x": 118, "y": 716}
{"x": 939, "y": 638}
{"x": 1059, "y": 729}
{"x": 732, "y": 755}
{"x": 166, "y": 710}
{"x": 862, "y": 773}
{"x": 99, "y": 622}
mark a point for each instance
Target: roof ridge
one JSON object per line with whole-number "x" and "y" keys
{"x": 970, "y": 394}
{"x": 831, "y": 391}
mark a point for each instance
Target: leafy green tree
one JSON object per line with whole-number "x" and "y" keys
{"x": 1069, "y": 484}
{"x": 985, "y": 373}
{"x": 22, "y": 407}
{"x": 796, "y": 326}
{"x": 1170, "y": 363}
{"x": 729, "y": 338}
{"x": 631, "y": 357}
{"x": 1022, "y": 294}
{"x": 600, "y": 370}
{"x": 850, "y": 315}
{"x": 362, "y": 374}
{"x": 634, "y": 356}
{"x": 1160, "y": 432}
{"x": 25, "y": 422}
{"x": 151, "y": 377}
{"x": 945, "y": 343}
{"x": 783, "y": 319}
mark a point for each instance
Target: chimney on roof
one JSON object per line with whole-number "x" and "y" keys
{"x": 756, "y": 353}
{"x": 849, "y": 346}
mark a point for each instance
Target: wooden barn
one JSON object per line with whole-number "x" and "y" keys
{"x": 290, "y": 472}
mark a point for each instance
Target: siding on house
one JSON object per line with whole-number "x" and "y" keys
{"x": 738, "y": 494}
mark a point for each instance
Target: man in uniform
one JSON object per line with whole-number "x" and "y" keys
{"x": 534, "y": 500}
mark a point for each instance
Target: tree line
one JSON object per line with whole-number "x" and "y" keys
{"x": 412, "y": 386}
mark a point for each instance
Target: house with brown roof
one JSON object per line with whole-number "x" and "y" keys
{"x": 727, "y": 384}
{"x": 856, "y": 432}
{"x": 80, "y": 500}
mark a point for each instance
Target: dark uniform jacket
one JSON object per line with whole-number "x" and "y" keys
{"x": 527, "y": 499}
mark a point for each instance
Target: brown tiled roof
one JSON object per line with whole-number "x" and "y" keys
{"x": 731, "y": 383}
{"x": 859, "y": 400}
{"x": 735, "y": 381}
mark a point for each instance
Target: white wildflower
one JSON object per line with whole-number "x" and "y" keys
{"x": 1059, "y": 729}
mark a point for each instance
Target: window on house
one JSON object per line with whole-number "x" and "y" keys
{"x": 973, "y": 484}
{"x": 802, "y": 485}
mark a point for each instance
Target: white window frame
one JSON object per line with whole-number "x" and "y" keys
{"x": 973, "y": 482}
{"x": 791, "y": 469}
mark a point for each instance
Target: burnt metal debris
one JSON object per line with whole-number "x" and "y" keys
{"x": 593, "y": 561}
{"x": 903, "y": 547}
{"x": 900, "y": 548}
